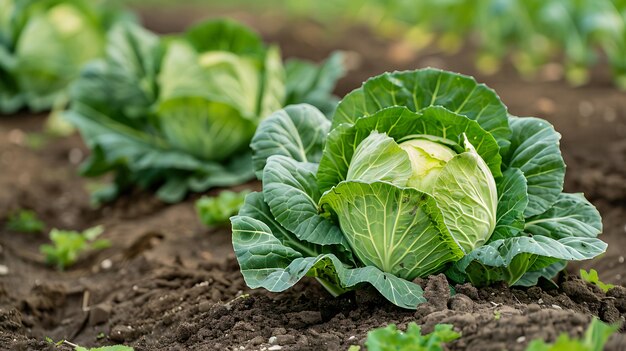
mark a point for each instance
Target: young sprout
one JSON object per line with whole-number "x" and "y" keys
{"x": 25, "y": 221}
{"x": 67, "y": 245}
{"x": 593, "y": 278}
{"x": 216, "y": 210}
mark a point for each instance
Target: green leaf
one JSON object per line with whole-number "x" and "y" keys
{"x": 466, "y": 194}
{"x": 398, "y": 230}
{"x": 123, "y": 85}
{"x": 596, "y": 336}
{"x": 512, "y": 201}
{"x": 207, "y": 130}
{"x": 549, "y": 272}
{"x": 428, "y": 87}
{"x": 266, "y": 262}
{"x": 593, "y": 278}
{"x": 25, "y": 221}
{"x": 256, "y": 208}
{"x": 219, "y": 77}
{"x": 313, "y": 84}
{"x": 224, "y": 35}
{"x": 571, "y": 215}
{"x": 507, "y": 260}
{"x": 290, "y": 190}
{"x": 297, "y": 131}
{"x": 216, "y": 210}
{"x": 379, "y": 158}
{"x": 273, "y": 92}
{"x": 401, "y": 124}
{"x": 392, "y": 339}
{"x": 535, "y": 151}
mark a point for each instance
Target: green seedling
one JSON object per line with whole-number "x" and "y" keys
{"x": 57, "y": 344}
{"x": 593, "y": 278}
{"x": 392, "y": 339}
{"x": 216, "y": 210}
{"x": 594, "y": 339}
{"x": 67, "y": 245}
{"x": 25, "y": 221}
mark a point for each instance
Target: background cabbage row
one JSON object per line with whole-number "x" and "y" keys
{"x": 43, "y": 45}
{"x": 177, "y": 113}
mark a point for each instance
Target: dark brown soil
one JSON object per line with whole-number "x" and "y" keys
{"x": 167, "y": 283}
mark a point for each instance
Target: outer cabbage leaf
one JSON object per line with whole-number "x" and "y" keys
{"x": 535, "y": 151}
{"x": 509, "y": 259}
{"x": 400, "y": 123}
{"x": 549, "y": 272}
{"x": 398, "y": 230}
{"x": 123, "y": 84}
{"x": 512, "y": 201}
{"x": 570, "y": 216}
{"x": 225, "y": 35}
{"x": 266, "y": 262}
{"x": 147, "y": 159}
{"x": 428, "y": 87}
{"x": 297, "y": 131}
{"x": 290, "y": 190}
{"x": 313, "y": 84}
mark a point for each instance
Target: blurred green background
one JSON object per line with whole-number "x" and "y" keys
{"x": 579, "y": 34}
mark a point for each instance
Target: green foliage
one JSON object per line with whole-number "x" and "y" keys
{"x": 25, "y": 221}
{"x": 419, "y": 172}
{"x": 177, "y": 114}
{"x": 532, "y": 33}
{"x": 593, "y": 278}
{"x": 43, "y": 45}
{"x": 67, "y": 245}
{"x": 81, "y": 348}
{"x": 392, "y": 339}
{"x": 216, "y": 210}
{"x": 594, "y": 339}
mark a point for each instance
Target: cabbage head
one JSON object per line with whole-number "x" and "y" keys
{"x": 176, "y": 114}
{"x": 418, "y": 172}
{"x": 43, "y": 46}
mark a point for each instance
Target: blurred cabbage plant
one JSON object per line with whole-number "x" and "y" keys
{"x": 177, "y": 113}
{"x": 44, "y": 44}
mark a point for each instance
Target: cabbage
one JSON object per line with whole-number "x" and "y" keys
{"x": 177, "y": 114}
{"x": 44, "y": 44}
{"x": 419, "y": 172}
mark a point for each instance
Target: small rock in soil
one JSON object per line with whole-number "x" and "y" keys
{"x": 121, "y": 333}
